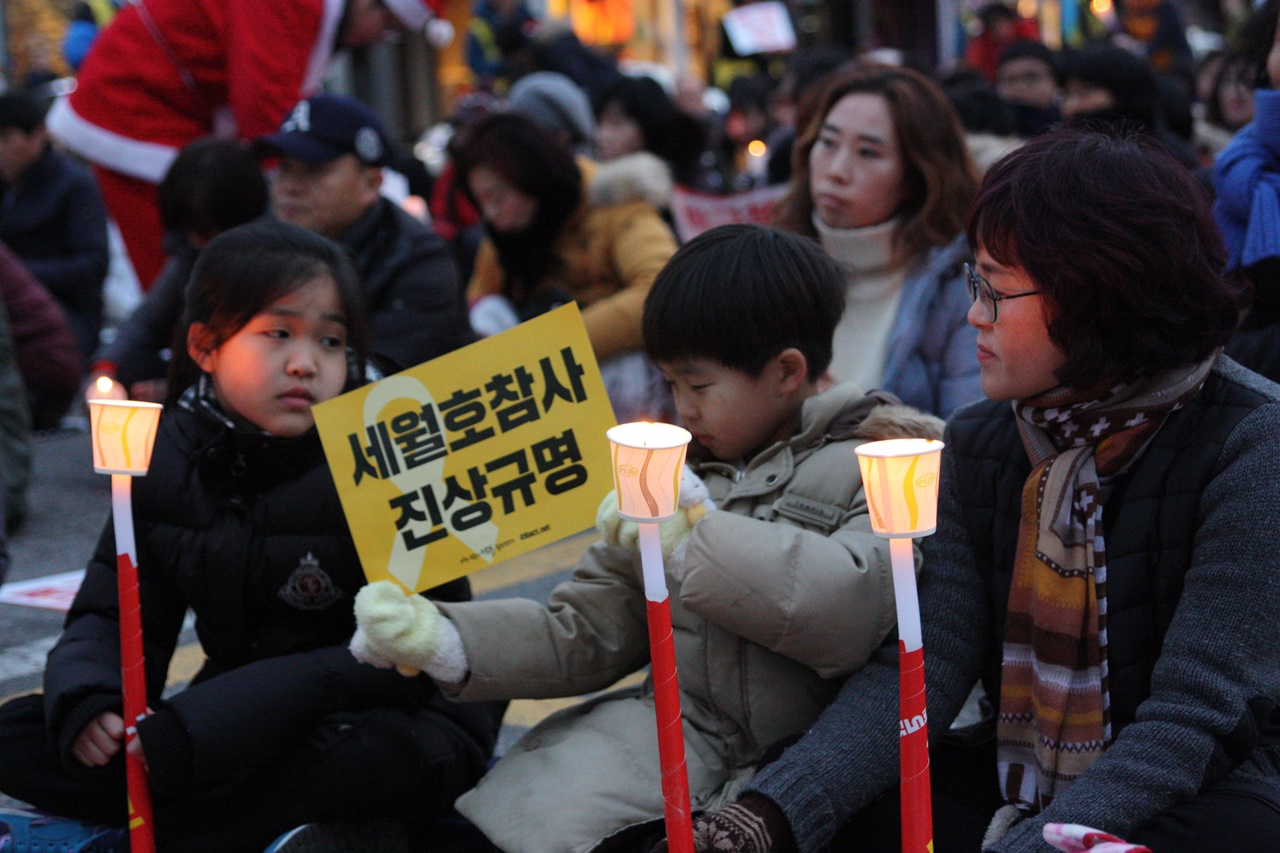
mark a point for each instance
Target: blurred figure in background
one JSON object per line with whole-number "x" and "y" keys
{"x": 492, "y": 21}
{"x": 166, "y": 72}
{"x": 1247, "y": 179}
{"x": 744, "y": 164}
{"x": 883, "y": 181}
{"x": 551, "y": 45}
{"x": 990, "y": 126}
{"x": 559, "y": 231}
{"x": 1230, "y": 102}
{"x": 453, "y": 215}
{"x": 44, "y": 346}
{"x": 1107, "y": 87}
{"x": 88, "y": 17}
{"x": 636, "y": 114}
{"x": 1000, "y": 25}
{"x": 1027, "y": 78}
{"x": 1156, "y": 28}
{"x": 52, "y": 216}
{"x": 213, "y": 185}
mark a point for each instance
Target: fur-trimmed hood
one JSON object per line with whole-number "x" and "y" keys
{"x": 634, "y": 177}
{"x": 845, "y": 412}
{"x": 898, "y": 421}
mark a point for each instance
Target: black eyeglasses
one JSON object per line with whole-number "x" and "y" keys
{"x": 980, "y": 290}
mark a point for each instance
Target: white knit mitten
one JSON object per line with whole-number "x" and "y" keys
{"x": 492, "y": 314}
{"x": 408, "y": 632}
{"x": 695, "y": 502}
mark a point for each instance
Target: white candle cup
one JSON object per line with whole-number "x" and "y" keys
{"x": 900, "y": 477}
{"x": 124, "y": 433}
{"x": 647, "y": 459}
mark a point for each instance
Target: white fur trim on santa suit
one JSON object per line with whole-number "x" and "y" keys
{"x": 146, "y": 160}
{"x": 414, "y": 14}
{"x": 106, "y": 144}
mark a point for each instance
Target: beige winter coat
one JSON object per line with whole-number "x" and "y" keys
{"x": 786, "y": 591}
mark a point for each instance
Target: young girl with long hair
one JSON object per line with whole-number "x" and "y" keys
{"x": 239, "y": 521}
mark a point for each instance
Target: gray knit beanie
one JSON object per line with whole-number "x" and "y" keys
{"x": 556, "y": 103}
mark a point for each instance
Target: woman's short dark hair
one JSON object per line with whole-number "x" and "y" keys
{"x": 214, "y": 184}
{"x": 538, "y": 165}
{"x": 525, "y": 155}
{"x": 244, "y": 270}
{"x": 741, "y": 294}
{"x": 939, "y": 176}
{"x": 1121, "y": 240}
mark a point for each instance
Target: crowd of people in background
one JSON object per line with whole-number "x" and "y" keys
{"x": 1128, "y": 182}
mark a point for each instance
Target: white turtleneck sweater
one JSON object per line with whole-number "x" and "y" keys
{"x": 872, "y": 292}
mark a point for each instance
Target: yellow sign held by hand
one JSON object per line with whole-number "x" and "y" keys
{"x": 474, "y": 457}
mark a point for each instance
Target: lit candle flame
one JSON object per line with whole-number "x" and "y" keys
{"x": 105, "y": 384}
{"x": 756, "y": 148}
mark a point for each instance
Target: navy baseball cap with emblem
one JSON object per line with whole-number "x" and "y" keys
{"x": 323, "y": 128}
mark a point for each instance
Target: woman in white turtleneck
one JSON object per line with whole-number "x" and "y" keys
{"x": 883, "y": 180}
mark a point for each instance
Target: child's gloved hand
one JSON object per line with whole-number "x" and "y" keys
{"x": 492, "y": 314}
{"x": 395, "y": 629}
{"x": 695, "y": 501}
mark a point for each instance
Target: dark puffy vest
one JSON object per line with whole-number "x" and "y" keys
{"x": 1150, "y": 522}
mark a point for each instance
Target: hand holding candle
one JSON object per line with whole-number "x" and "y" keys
{"x": 900, "y": 477}
{"x": 647, "y": 463}
{"x": 123, "y": 435}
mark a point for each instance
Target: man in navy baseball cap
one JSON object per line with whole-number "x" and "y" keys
{"x": 330, "y": 151}
{"x": 324, "y": 127}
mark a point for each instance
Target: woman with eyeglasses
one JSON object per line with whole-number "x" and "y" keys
{"x": 1104, "y": 562}
{"x": 882, "y": 179}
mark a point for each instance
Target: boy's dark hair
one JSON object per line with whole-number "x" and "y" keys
{"x": 214, "y": 184}
{"x": 1121, "y": 241}
{"x": 20, "y": 110}
{"x": 741, "y": 294}
{"x": 244, "y": 270}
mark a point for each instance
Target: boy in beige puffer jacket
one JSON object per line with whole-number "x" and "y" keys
{"x": 776, "y": 595}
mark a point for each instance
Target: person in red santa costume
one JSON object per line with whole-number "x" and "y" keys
{"x": 166, "y": 72}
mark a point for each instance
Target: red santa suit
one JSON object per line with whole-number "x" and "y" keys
{"x": 166, "y": 72}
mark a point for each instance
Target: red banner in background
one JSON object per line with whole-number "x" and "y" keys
{"x": 697, "y": 212}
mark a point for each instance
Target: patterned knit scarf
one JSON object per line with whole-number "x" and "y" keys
{"x": 1054, "y": 703}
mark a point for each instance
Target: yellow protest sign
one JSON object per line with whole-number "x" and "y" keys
{"x": 474, "y": 457}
